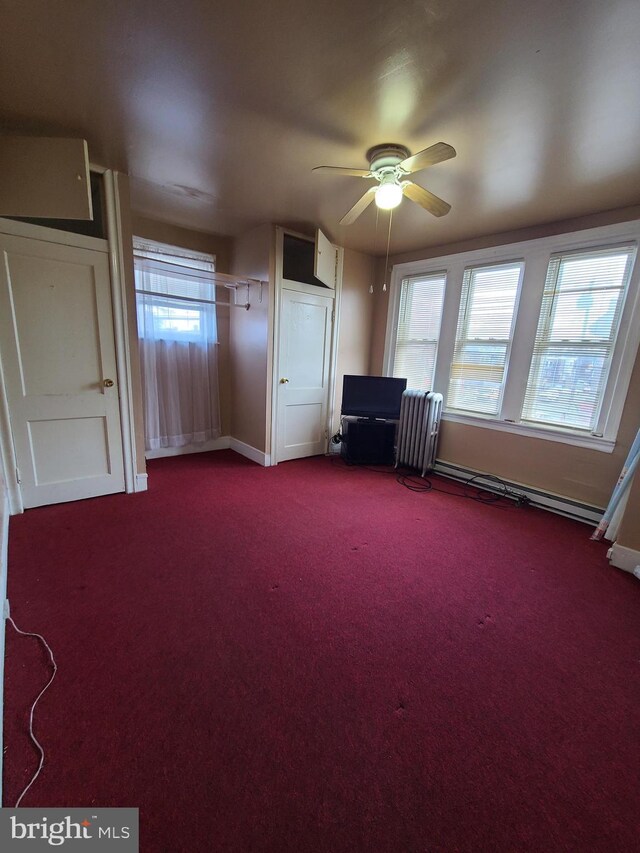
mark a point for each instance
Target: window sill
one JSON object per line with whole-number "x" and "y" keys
{"x": 592, "y": 442}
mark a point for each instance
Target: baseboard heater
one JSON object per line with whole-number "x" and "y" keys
{"x": 543, "y": 500}
{"x": 418, "y": 428}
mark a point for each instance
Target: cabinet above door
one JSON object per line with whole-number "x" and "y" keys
{"x": 325, "y": 262}
{"x": 308, "y": 261}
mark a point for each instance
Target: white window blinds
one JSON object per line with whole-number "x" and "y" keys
{"x": 581, "y": 308}
{"x": 483, "y": 337}
{"x": 175, "y": 293}
{"x": 174, "y": 272}
{"x": 421, "y": 301}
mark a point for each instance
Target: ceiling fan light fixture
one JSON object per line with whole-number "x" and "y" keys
{"x": 388, "y": 165}
{"x": 388, "y": 195}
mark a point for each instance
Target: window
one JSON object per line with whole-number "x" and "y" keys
{"x": 175, "y": 293}
{"x": 421, "y": 302}
{"x": 173, "y": 322}
{"x": 483, "y": 338}
{"x": 176, "y": 307}
{"x": 581, "y": 308}
{"x": 537, "y": 337}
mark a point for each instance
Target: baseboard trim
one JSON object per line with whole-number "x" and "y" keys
{"x": 250, "y": 452}
{"x": 545, "y": 500}
{"x": 141, "y": 483}
{"x": 624, "y": 558}
{"x": 222, "y": 443}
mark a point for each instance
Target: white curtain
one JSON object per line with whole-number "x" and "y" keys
{"x": 178, "y": 351}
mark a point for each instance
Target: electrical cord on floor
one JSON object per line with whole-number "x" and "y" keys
{"x": 33, "y": 707}
{"x": 505, "y": 498}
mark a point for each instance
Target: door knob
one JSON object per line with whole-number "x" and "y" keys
{"x": 108, "y": 383}
{"x": 283, "y": 381}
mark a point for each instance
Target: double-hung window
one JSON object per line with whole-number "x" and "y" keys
{"x": 175, "y": 293}
{"x": 538, "y": 337}
{"x": 483, "y": 337}
{"x": 581, "y": 309}
{"x": 420, "y": 314}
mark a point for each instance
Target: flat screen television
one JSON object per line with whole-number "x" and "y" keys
{"x": 372, "y": 396}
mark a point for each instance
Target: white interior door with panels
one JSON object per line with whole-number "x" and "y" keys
{"x": 59, "y": 367}
{"x": 308, "y": 279}
{"x": 304, "y": 359}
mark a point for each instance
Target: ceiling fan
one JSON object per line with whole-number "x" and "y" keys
{"x": 388, "y": 165}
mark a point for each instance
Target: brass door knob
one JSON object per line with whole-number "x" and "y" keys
{"x": 283, "y": 381}
{"x": 108, "y": 383}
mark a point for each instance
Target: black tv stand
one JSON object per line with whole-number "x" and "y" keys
{"x": 368, "y": 441}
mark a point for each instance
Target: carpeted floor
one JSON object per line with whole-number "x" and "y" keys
{"x": 312, "y": 658}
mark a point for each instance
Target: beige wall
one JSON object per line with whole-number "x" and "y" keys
{"x": 250, "y": 340}
{"x": 356, "y": 316}
{"x": 200, "y": 241}
{"x": 246, "y": 336}
{"x": 252, "y": 343}
{"x": 574, "y": 472}
{"x": 186, "y": 238}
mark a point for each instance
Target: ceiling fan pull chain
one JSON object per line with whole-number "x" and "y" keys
{"x": 386, "y": 263}
{"x": 375, "y": 239}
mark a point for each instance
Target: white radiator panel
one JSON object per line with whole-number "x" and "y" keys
{"x": 418, "y": 429}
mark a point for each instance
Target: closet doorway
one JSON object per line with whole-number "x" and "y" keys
{"x": 304, "y": 359}
{"x": 178, "y": 340}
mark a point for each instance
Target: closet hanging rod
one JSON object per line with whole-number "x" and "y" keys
{"x": 181, "y": 298}
{"x": 244, "y": 305}
{"x": 218, "y": 279}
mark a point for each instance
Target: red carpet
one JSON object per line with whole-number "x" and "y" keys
{"x": 312, "y": 658}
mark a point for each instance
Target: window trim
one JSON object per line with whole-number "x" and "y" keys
{"x": 436, "y": 340}
{"x": 508, "y": 342}
{"x": 144, "y": 245}
{"x": 207, "y": 307}
{"x": 536, "y": 254}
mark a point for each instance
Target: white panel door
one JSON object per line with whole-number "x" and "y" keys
{"x": 59, "y": 365}
{"x": 303, "y": 384}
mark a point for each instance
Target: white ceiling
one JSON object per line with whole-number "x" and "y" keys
{"x": 219, "y": 111}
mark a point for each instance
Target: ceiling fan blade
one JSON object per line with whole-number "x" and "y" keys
{"x": 425, "y": 199}
{"x": 359, "y": 207}
{"x": 429, "y": 157}
{"x": 358, "y": 173}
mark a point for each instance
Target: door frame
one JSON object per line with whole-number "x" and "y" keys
{"x": 114, "y": 247}
{"x": 281, "y": 284}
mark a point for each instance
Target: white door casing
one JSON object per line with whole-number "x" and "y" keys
{"x": 58, "y": 358}
{"x": 304, "y": 355}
